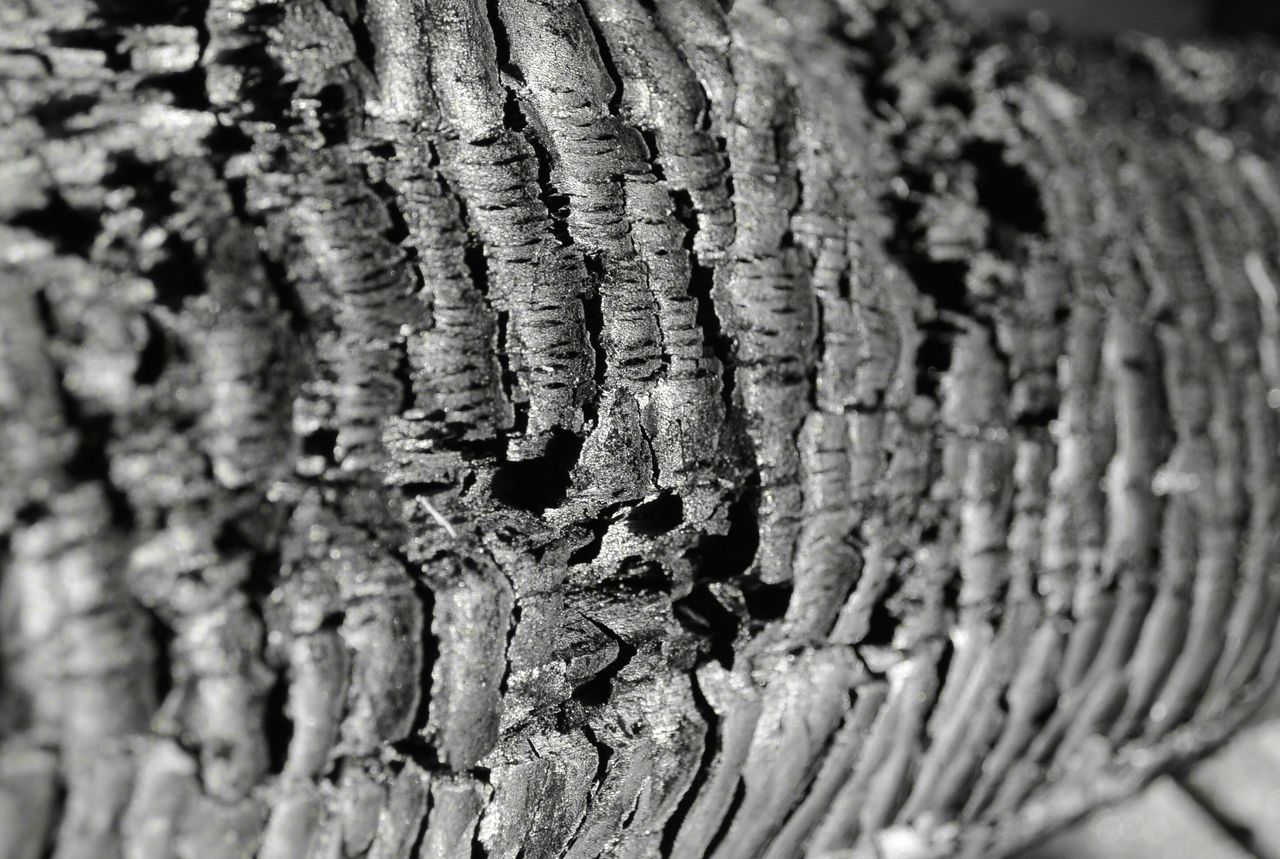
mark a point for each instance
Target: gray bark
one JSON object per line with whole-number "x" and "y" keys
{"x": 623, "y": 428}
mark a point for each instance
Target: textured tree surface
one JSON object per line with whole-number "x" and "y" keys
{"x": 629, "y": 428}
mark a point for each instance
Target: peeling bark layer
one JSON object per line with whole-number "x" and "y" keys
{"x": 629, "y": 428}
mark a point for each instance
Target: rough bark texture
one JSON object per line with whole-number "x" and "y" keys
{"x": 629, "y": 428}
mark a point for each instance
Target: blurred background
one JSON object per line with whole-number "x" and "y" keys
{"x": 1165, "y": 17}
{"x": 1225, "y": 807}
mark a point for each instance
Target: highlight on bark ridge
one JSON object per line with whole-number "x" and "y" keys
{"x": 628, "y": 428}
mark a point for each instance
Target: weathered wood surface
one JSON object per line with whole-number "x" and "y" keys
{"x": 622, "y": 428}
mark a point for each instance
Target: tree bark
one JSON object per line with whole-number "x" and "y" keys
{"x": 623, "y": 428}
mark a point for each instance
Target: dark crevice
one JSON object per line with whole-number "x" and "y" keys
{"x": 57, "y": 109}
{"x": 517, "y": 121}
{"x": 150, "y": 188}
{"x": 1006, "y": 192}
{"x": 604, "y": 753}
{"x": 766, "y": 602}
{"x": 631, "y": 814}
{"x": 508, "y": 377}
{"x": 590, "y": 550}
{"x": 477, "y": 263}
{"x": 430, "y": 655}
{"x": 403, "y": 372}
{"x": 637, "y": 575}
{"x": 882, "y": 623}
{"x": 537, "y": 484}
{"x": 178, "y": 275}
{"x": 556, "y": 202}
{"x": 277, "y": 726}
{"x": 657, "y": 517}
{"x": 502, "y": 44}
{"x": 334, "y": 114}
{"x": 739, "y": 794}
{"x": 322, "y": 443}
{"x": 933, "y": 357}
{"x": 1039, "y": 420}
{"x": 70, "y": 230}
{"x": 728, "y": 556}
{"x": 420, "y": 836}
{"x": 152, "y": 12}
{"x": 702, "y": 289}
{"x": 513, "y": 118}
{"x": 106, "y": 40}
{"x": 784, "y": 134}
{"x": 593, "y": 321}
{"x": 161, "y": 636}
{"x": 179, "y": 272}
{"x": 187, "y": 89}
{"x": 398, "y": 233}
{"x": 598, "y": 691}
{"x": 945, "y": 658}
{"x": 956, "y": 96}
{"x": 943, "y": 281}
{"x": 651, "y": 143}
{"x": 358, "y": 24}
{"x": 154, "y": 355}
{"x": 513, "y": 627}
{"x": 606, "y": 60}
{"x": 702, "y": 614}
{"x": 710, "y": 746}
{"x": 91, "y": 463}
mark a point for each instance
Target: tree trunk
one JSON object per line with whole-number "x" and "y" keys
{"x": 623, "y": 428}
